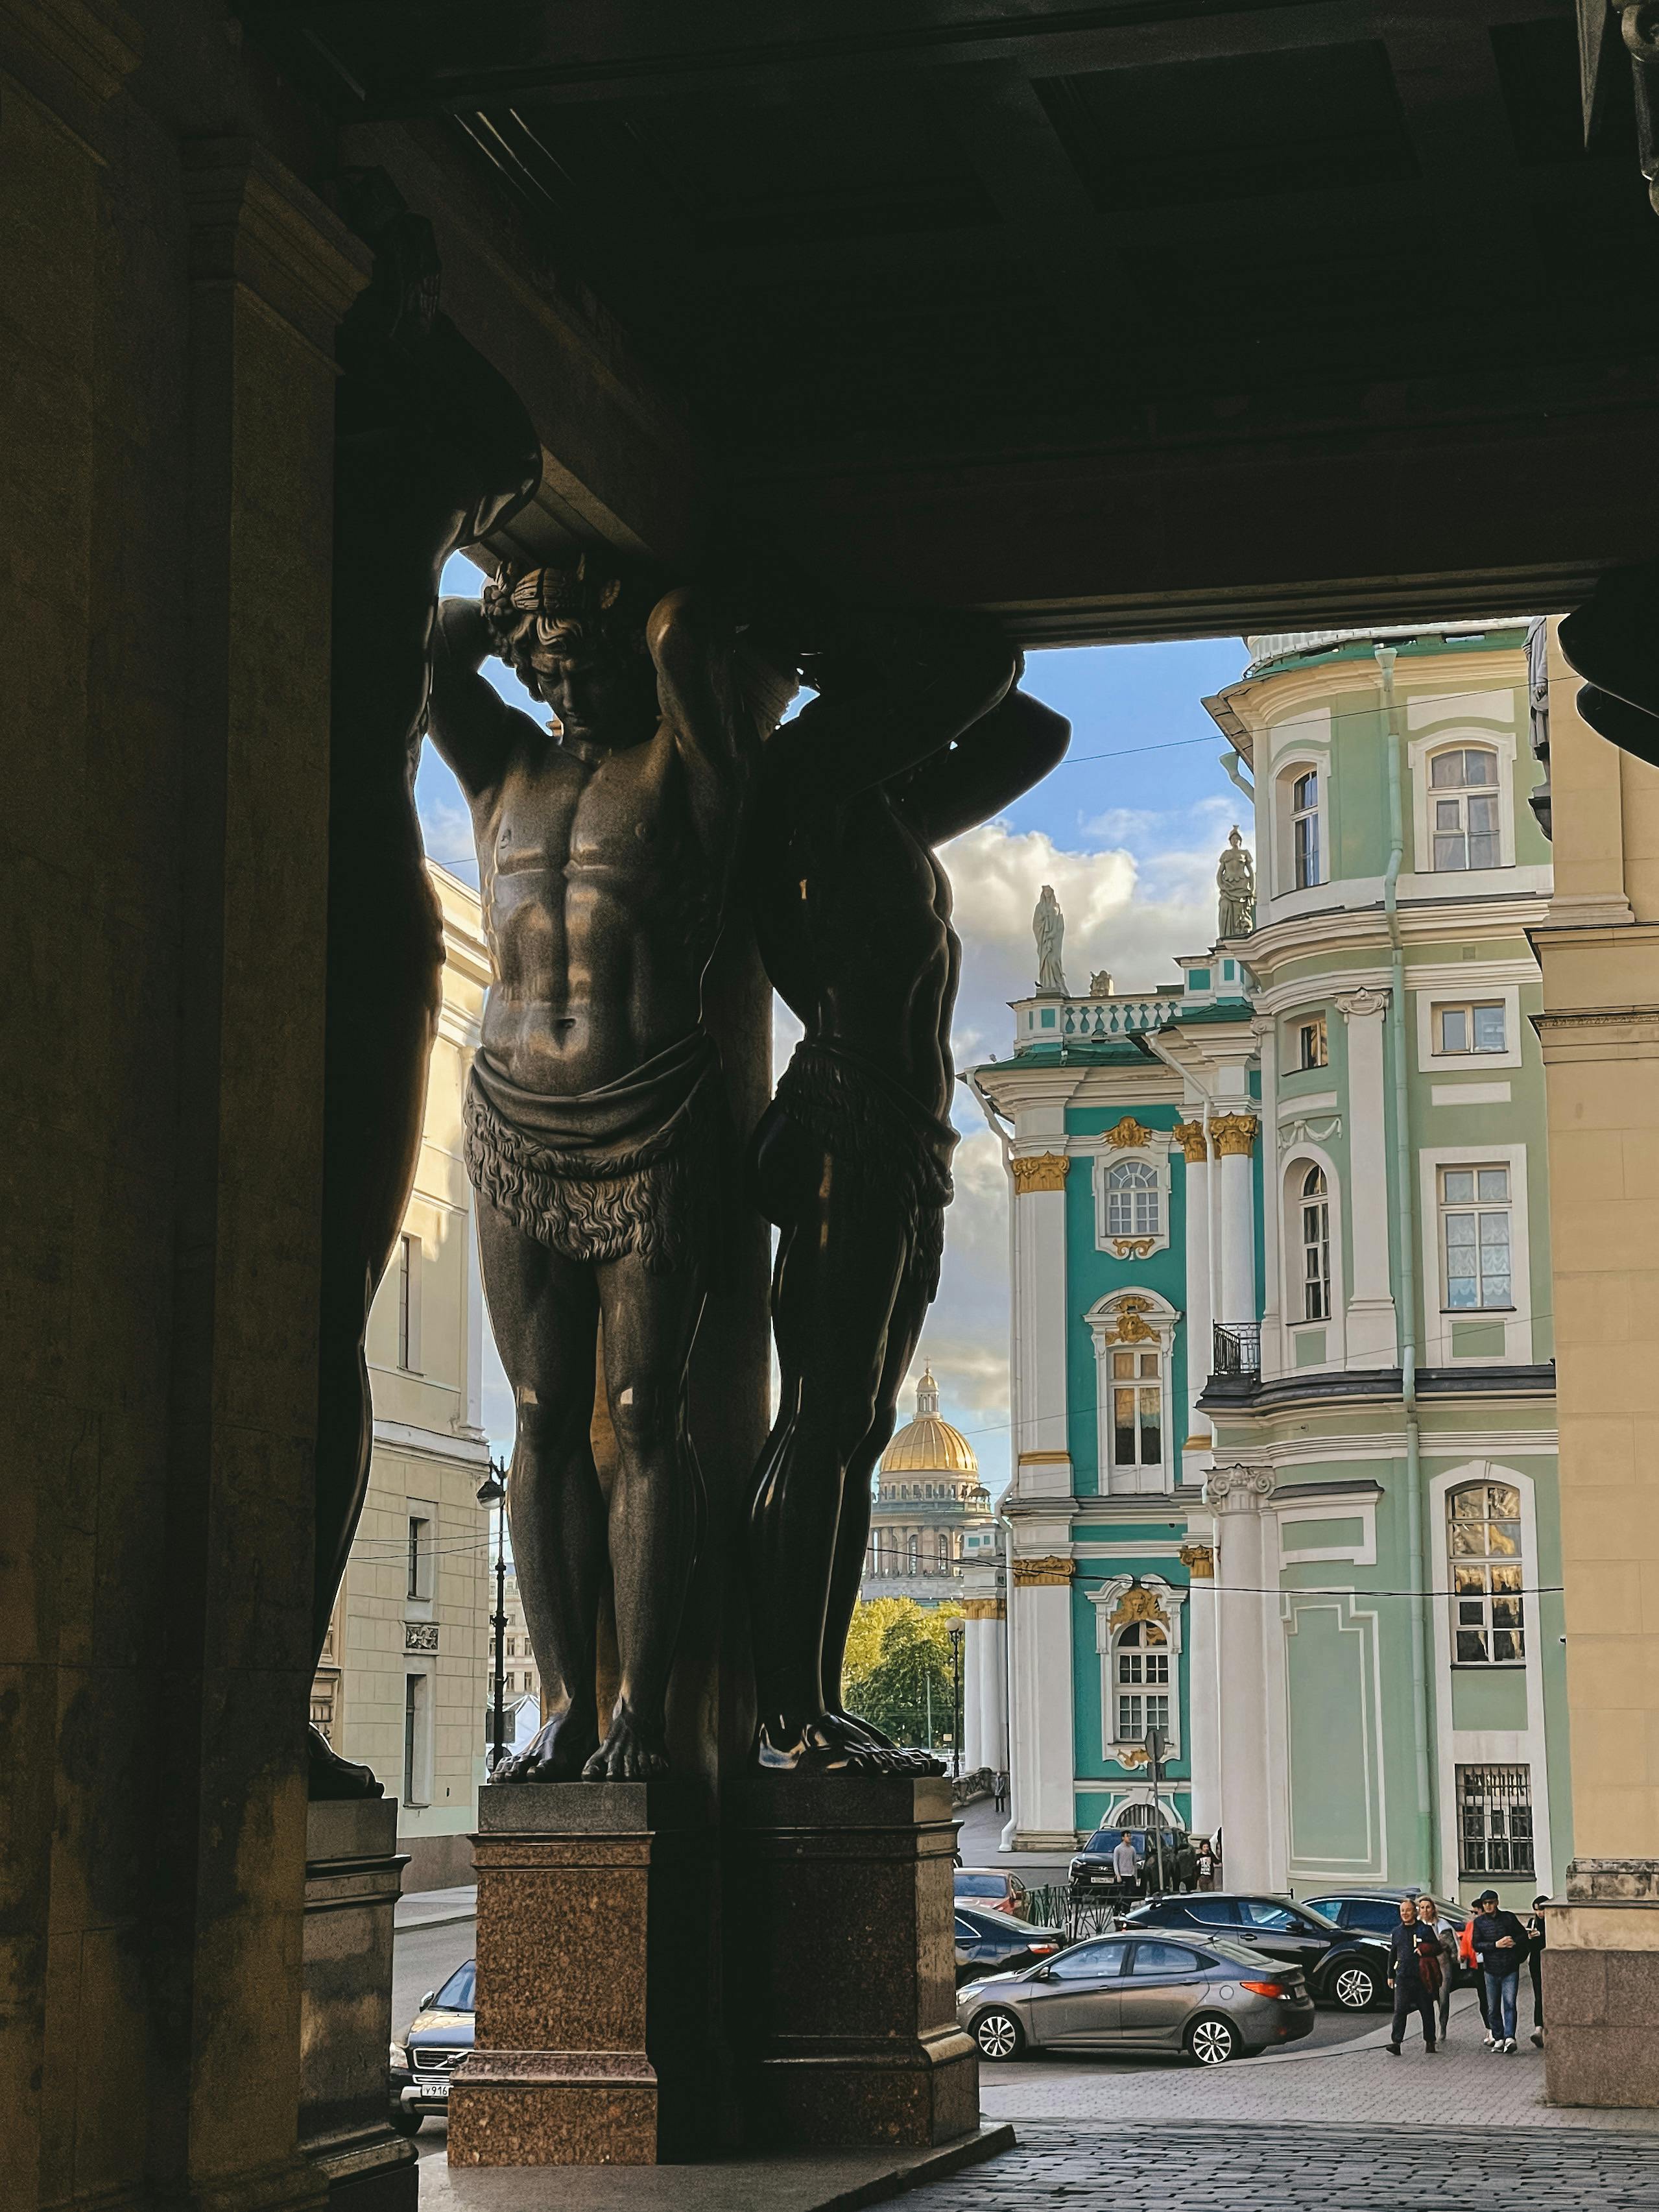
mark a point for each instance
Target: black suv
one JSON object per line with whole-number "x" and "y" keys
{"x": 1343, "y": 1965}
{"x": 1093, "y": 1878}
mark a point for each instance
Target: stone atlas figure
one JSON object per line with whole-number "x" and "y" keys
{"x": 1235, "y": 879}
{"x": 1048, "y": 927}
{"x": 916, "y": 735}
{"x": 433, "y": 450}
{"x": 595, "y": 1116}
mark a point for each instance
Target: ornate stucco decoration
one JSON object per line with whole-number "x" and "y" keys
{"x": 420, "y": 1635}
{"x": 1043, "y": 1573}
{"x": 1233, "y": 1135}
{"x": 1135, "y": 1604}
{"x": 1130, "y": 1754}
{"x": 1314, "y": 1131}
{"x": 1132, "y": 1248}
{"x": 983, "y": 1609}
{"x": 1361, "y": 1005}
{"x": 1040, "y": 1172}
{"x": 1239, "y": 1489}
{"x": 1128, "y": 1132}
{"x": 1199, "y": 1559}
{"x": 1190, "y": 1135}
{"x": 1129, "y": 1314}
{"x": 1121, "y": 1600}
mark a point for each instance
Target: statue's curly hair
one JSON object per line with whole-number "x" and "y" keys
{"x": 540, "y": 617}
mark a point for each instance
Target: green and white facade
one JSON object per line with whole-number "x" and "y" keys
{"x": 1283, "y": 1389}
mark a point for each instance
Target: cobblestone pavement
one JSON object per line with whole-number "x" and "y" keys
{"x": 1462, "y": 2085}
{"x": 1402, "y": 2168}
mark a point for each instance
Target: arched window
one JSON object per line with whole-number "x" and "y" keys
{"x": 942, "y": 1548}
{"x": 1141, "y": 1677}
{"x": 1315, "y": 1210}
{"x": 1483, "y": 1536}
{"x": 912, "y": 1554}
{"x": 1132, "y": 1200}
{"x": 1463, "y": 794}
{"x": 1304, "y": 830}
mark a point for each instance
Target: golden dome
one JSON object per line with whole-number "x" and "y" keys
{"x": 928, "y": 1445}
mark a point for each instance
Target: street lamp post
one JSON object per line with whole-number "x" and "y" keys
{"x": 1155, "y": 1769}
{"x": 492, "y": 1491}
{"x": 956, "y": 1628}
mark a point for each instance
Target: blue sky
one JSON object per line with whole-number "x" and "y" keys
{"x": 1130, "y": 844}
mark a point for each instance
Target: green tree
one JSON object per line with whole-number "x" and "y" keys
{"x": 899, "y": 1669}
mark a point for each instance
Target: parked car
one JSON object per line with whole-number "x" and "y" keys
{"x": 1343, "y": 1966}
{"x": 996, "y": 1891}
{"x": 1092, "y": 1874}
{"x": 1375, "y": 1912}
{"x": 989, "y": 1942}
{"x": 438, "y": 2038}
{"x": 1215, "y": 1999}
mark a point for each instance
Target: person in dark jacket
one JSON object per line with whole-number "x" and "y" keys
{"x": 1186, "y": 1866}
{"x": 1407, "y": 1978}
{"x": 1535, "y": 1965}
{"x": 1500, "y": 1945}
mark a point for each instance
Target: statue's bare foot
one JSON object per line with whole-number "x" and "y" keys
{"x": 330, "y": 1777}
{"x": 860, "y": 1726}
{"x": 829, "y": 1743}
{"x": 557, "y": 1751}
{"x": 631, "y": 1753}
{"x": 900, "y": 1759}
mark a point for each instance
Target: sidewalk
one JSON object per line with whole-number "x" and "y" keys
{"x": 436, "y": 1908}
{"x": 980, "y": 1844}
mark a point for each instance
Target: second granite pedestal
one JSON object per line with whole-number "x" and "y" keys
{"x": 843, "y": 1984}
{"x": 595, "y": 1978}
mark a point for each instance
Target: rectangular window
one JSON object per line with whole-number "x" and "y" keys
{"x": 1305, "y": 829}
{"x": 419, "y": 1553}
{"x": 1463, "y": 787}
{"x": 1488, "y": 1575}
{"x": 1495, "y": 1820}
{"x": 1475, "y": 1238}
{"x": 322, "y": 1707}
{"x": 1137, "y": 1714}
{"x": 417, "y": 1782}
{"x": 1132, "y": 1207}
{"x": 1312, "y": 1042}
{"x": 1137, "y": 1410}
{"x": 409, "y": 1304}
{"x": 1476, "y": 1026}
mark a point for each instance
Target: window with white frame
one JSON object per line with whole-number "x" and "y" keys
{"x": 1314, "y": 1207}
{"x": 1494, "y": 1822}
{"x": 417, "y": 1740}
{"x": 1140, "y": 1672}
{"x": 1464, "y": 808}
{"x": 419, "y": 1581}
{"x": 1137, "y": 1418}
{"x": 913, "y": 1553}
{"x": 1476, "y": 1238}
{"x": 1471, "y": 1026}
{"x": 1488, "y": 1575}
{"x": 409, "y": 1304}
{"x": 1312, "y": 1046}
{"x": 1304, "y": 830}
{"x": 1134, "y": 1207}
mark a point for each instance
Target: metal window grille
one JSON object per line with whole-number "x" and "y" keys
{"x": 1495, "y": 1820}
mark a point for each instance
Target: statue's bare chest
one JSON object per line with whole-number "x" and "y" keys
{"x": 624, "y": 812}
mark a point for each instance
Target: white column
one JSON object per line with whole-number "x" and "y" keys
{"x": 1203, "y": 1688}
{"x": 1043, "y": 1465}
{"x": 973, "y": 1662}
{"x": 1044, "y": 1769}
{"x": 1373, "y": 1331}
{"x": 1266, "y": 1031}
{"x": 475, "y": 1325}
{"x": 1240, "y": 1496}
{"x": 1233, "y": 1138}
{"x": 1191, "y": 1138}
{"x": 994, "y": 1687}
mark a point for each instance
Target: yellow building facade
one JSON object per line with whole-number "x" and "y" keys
{"x": 1599, "y": 953}
{"x": 405, "y": 1683}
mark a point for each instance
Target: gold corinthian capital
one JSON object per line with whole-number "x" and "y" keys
{"x": 1233, "y": 1135}
{"x": 1043, "y": 1571}
{"x": 1189, "y": 1135}
{"x": 1043, "y": 1172}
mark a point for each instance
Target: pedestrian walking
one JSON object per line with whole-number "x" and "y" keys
{"x": 1472, "y": 1965}
{"x": 1500, "y": 1945}
{"x": 1430, "y": 1921}
{"x": 1126, "y": 1862}
{"x": 1536, "y": 1938}
{"x": 1413, "y": 1976}
{"x": 1205, "y": 1863}
{"x": 999, "y": 1791}
{"x": 1186, "y": 1866}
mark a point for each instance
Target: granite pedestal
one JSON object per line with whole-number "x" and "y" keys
{"x": 1600, "y": 1985}
{"x": 596, "y": 1973}
{"x": 354, "y": 1872}
{"x": 842, "y": 1990}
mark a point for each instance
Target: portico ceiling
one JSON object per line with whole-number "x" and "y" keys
{"x": 1124, "y": 319}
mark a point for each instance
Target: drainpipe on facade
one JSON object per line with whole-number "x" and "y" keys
{"x": 1006, "y": 1840}
{"x": 1405, "y": 1307}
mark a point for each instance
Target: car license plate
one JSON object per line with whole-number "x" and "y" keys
{"x": 435, "y": 2089}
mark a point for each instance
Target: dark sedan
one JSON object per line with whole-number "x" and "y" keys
{"x": 436, "y": 2041}
{"x": 1343, "y": 1966}
{"x": 1375, "y": 1912}
{"x": 990, "y": 1943}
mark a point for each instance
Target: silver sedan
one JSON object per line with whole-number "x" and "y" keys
{"x": 1215, "y": 2000}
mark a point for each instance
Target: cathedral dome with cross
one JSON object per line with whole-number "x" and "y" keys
{"x": 931, "y": 1513}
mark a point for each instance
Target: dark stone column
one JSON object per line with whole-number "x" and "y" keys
{"x": 846, "y": 2020}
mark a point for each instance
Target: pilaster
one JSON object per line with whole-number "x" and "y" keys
{"x": 1193, "y": 1141}
{"x": 1246, "y": 1568}
{"x": 1044, "y": 1802}
{"x": 1232, "y": 1142}
{"x": 1198, "y": 1556}
{"x": 1373, "y": 1339}
{"x": 1042, "y": 1464}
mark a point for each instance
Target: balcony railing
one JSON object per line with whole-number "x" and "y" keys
{"x": 1237, "y": 1348}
